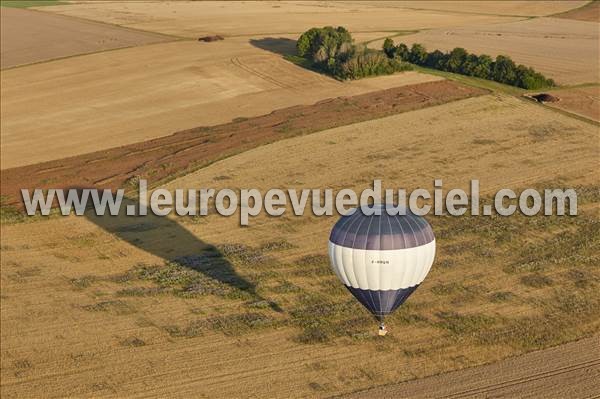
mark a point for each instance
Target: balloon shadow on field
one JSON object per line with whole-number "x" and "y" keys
{"x": 280, "y": 45}
{"x": 163, "y": 237}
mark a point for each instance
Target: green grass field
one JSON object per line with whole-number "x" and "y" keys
{"x": 31, "y": 3}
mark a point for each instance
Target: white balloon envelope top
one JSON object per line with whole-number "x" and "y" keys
{"x": 381, "y": 258}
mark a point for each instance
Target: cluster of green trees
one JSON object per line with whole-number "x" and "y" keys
{"x": 502, "y": 69}
{"x": 333, "y": 51}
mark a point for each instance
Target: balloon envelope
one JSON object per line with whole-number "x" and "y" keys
{"x": 383, "y": 258}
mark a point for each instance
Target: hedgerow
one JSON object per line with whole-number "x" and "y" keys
{"x": 332, "y": 51}
{"x": 503, "y": 69}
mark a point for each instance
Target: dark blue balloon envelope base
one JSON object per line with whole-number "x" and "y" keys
{"x": 382, "y": 303}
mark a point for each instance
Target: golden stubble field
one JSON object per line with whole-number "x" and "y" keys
{"x": 89, "y": 306}
{"x": 191, "y": 19}
{"x": 115, "y": 98}
{"x": 484, "y": 7}
{"x": 29, "y": 36}
{"x": 105, "y": 100}
{"x": 562, "y": 48}
{"x": 185, "y": 306}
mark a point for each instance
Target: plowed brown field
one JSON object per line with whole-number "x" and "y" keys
{"x": 176, "y": 154}
{"x": 99, "y": 101}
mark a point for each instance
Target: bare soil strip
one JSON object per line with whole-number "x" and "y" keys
{"x": 122, "y": 97}
{"x": 190, "y": 149}
{"x": 571, "y": 370}
{"x": 33, "y": 36}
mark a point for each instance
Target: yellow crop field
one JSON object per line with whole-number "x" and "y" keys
{"x": 106, "y": 97}
{"x": 251, "y": 19}
{"x": 180, "y": 86}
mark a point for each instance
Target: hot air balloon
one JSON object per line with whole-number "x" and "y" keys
{"x": 381, "y": 258}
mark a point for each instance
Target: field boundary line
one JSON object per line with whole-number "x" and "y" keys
{"x": 489, "y": 14}
{"x": 558, "y": 14}
{"x": 87, "y": 53}
{"x": 267, "y": 133}
{"x": 167, "y": 39}
{"x": 94, "y": 21}
{"x": 564, "y": 112}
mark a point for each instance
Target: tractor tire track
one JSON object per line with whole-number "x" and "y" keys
{"x": 238, "y": 63}
{"x": 570, "y": 370}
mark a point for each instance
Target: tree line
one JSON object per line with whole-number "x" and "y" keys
{"x": 332, "y": 51}
{"x": 503, "y": 69}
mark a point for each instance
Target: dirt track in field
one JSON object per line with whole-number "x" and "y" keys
{"x": 174, "y": 155}
{"x": 33, "y": 36}
{"x": 567, "y": 371}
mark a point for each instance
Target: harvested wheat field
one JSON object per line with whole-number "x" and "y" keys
{"x": 30, "y": 36}
{"x": 200, "y": 306}
{"x": 486, "y": 7}
{"x": 260, "y": 19}
{"x": 91, "y": 295}
{"x": 565, "y": 50}
{"x": 184, "y": 151}
{"x": 126, "y": 96}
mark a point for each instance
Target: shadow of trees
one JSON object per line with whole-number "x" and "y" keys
{"x": 281, "y": 45}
